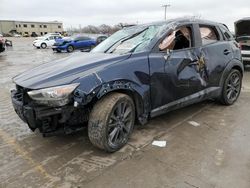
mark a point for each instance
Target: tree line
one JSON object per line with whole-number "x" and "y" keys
{"x": 101, "y": 29}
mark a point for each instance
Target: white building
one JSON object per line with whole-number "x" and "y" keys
{"x": 29, "y": 27}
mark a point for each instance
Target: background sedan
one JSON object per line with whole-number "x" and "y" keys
{"x": 73, "y": 43}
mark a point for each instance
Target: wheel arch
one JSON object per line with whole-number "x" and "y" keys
{"x": 91, "y": 91}
{"x": 43, "y": 43}
{"x": 70, "y": 45}
{"x": 132, "y": 90}
{"x": 233, "y": 64}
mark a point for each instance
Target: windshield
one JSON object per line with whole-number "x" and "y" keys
{"x": 132, "y": 39}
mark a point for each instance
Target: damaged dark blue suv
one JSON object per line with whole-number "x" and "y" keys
{"x": 138, "y": 73}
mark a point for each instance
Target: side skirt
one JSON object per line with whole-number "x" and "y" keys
{"x": 191, "y": 99}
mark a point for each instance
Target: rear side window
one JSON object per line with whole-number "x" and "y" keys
{"x": 226, "y": 33}
{"x": 83, "y": 38}
{"x": 209, "y": 35}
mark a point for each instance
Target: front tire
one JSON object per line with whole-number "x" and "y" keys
{"x": 111, "y": 122}
{"x": 231, "y": 88}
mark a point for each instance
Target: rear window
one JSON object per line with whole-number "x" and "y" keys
{"x": 209, "y": 35}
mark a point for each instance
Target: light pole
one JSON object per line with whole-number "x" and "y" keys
{"x": 165, "y": 7}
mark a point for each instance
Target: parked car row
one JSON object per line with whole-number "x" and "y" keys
{"x": 68, "y": 44}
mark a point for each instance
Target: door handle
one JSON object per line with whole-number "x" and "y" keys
{"x": 226, "y": 52}
{"x": 166, "y": 57}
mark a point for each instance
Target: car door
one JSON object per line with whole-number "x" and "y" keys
{"x": 174, "y": 75}
{"x": 51, "y": 41}
{"x": 82, "y": 42}
{"x": 216, "y": 52}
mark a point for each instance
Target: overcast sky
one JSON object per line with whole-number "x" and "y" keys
{"x": 86, "y": 12}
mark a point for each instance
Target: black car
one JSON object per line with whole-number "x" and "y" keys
{"x": 2, "y": 44}
{"x": 136, "y": 74}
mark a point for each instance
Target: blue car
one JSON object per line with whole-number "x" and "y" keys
{"x": 73, "y": 43}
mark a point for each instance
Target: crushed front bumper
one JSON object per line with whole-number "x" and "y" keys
{"x": 49, "y": 120}
{"x": 26, "y": 113}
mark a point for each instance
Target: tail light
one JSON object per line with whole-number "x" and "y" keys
{"x": 239, "y": 45}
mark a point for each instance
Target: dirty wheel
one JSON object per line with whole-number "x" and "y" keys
{"x": 70, "y": 48}
{"x": 43, "y": 45}
{"x": 58, "y": 51}
{"x": 111, "y": 122}
{"x": 232, "y": 87}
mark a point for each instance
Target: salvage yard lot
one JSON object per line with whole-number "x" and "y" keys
{"x": 214, "y": 153}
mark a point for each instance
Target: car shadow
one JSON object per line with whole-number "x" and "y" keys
{"x": 141, "y": 136}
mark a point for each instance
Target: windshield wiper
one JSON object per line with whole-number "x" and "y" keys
{"x": 122, "y": 40}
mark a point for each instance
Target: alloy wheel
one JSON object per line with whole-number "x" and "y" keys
{"x": 233, "y": 87}
{"x": 120, "y": 123}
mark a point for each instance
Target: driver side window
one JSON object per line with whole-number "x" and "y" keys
{"x": 180, "y": 38}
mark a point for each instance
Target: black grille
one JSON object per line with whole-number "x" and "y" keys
{"x": 21, "y": 95}
{"x": 245, "y": 55}
{"x": 18, "y": 95}
{"x": 243, "y": 47}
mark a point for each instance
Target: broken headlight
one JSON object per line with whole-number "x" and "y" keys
{"x": 54, "y": 96}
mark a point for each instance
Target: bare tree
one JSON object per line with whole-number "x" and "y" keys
{"x": 101, "y": 29}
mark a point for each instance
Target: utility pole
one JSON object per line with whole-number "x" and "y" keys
{"x": 165, "y": 7}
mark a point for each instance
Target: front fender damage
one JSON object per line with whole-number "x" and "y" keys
{"x": 86, "y": 98}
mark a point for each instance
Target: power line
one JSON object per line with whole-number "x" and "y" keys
{"x": 165, "y": 7}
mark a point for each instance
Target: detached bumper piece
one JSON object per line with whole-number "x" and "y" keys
{"x": 50, "y": 121}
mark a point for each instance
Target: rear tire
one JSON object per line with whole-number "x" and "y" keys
{"x": 231, "y": 88}
{"x": 43, "y": 45}
{"x": 70, "y": 48}
{"x": 111, "y": 122}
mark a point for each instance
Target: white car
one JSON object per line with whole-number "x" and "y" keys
{"x": 44, "y": 42}
{"x": 49, "y": 35}
{"x": 17, "y": 35}
{"x": 242, "y": 32}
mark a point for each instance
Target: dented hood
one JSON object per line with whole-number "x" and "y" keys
{"x": 242, "y": 28}
{"x": 66, "y": 70}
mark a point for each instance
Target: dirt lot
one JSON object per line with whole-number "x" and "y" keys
{"x": 213, "y": 154}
